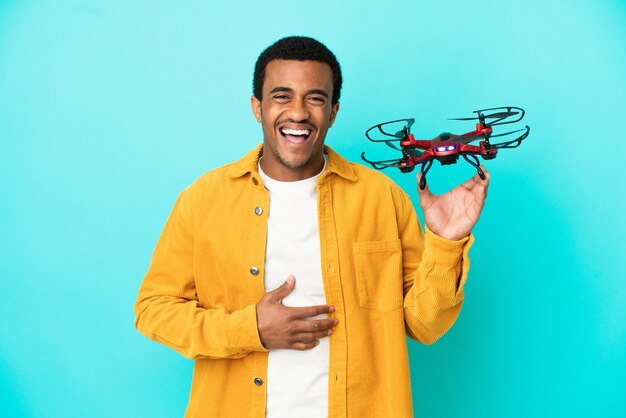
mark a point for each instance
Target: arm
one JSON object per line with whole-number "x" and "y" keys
{"x": 167, "y": 308}
{"x": 435, "y": 268}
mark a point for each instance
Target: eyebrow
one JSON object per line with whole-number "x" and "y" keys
{"x": 290, "y": 90}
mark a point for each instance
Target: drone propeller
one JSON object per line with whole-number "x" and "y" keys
{"x": 401, "y": 133}
{"x": 392, "y": 145}
{"x": 501, "y": 114}
{"x": 466, "y": 139}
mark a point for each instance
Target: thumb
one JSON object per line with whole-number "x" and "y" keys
{"x": 284, "y": 289}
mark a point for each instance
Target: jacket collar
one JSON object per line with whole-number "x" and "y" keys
{"x": 336, "y": 164}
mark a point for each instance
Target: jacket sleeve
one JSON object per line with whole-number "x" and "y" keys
{"x": 167, "y": 308}
{"x": 435, "y": 270}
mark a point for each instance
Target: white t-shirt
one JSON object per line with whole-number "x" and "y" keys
{"x": 297, "y": 381}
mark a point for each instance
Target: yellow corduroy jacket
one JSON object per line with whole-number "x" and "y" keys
{"x": 383, "y": 275}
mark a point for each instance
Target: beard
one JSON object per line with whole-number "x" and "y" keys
{"x": 294, "y": 165}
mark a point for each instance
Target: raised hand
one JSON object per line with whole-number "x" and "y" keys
{"x": 452, "y": 215}
{"x": 282, "y": 326}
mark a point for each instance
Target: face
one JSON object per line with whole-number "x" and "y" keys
{"x": 295, "y": 113}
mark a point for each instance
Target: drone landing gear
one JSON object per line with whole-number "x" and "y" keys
{"x": 424, "y": 169}
{"x": 475, "y": 164}
{"x": 472, "y": 159}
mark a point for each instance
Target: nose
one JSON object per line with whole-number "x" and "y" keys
{"x": 298, "y": 111}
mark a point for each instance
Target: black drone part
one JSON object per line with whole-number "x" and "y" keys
{"x": 500, "y": 116}
{"x": 397, "y": 136}
{"x": 424, "y": 170}
{"x": 475, "y": 163}
{"x": 514, "y": 143}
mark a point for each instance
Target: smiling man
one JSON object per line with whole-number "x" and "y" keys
{"x": 292, "y": 276}
{"x": 297, "y": 111}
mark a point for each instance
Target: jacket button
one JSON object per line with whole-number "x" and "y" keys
{"x": 258, "y": 381}
{"x": 254, "y": 270}
{"x": 255, "y": 181}
{"x": 258, "y": 210}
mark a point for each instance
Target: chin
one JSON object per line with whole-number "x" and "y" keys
{"x": 294, "y": 163}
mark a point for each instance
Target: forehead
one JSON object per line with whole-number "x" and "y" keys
{"x": 298, "y": 75}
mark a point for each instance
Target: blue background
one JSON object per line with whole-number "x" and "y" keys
{"x": 109, "y": 108}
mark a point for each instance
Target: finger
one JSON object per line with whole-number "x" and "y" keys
{"x": 277, "y": 295}
{"x": 487, "y": 175}
{"x": 309, "y": 311}
{"x": 310, "y": 336}
{"x": 485, "y": 172}
{"x": 475, "y": 180}
{"x": 425, "y": 195}
{"x": 485, "y": 182}
{"x": 314, "y": 325}
{"x": 305, "y": 345}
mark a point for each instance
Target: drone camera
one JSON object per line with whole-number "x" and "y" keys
{"x": 448, "y": 159}
{"x": 406, "y": 168}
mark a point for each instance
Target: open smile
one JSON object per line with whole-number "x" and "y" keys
{"x": 295, "y": 135}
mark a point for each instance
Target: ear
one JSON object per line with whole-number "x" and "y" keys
{"x": 333, "y": 114}
{"x": 256, "y": 108}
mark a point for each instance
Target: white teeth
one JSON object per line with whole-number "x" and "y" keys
{"x": 288, "y": 131}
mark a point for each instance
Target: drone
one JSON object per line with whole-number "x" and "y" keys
{"x": 447, "y": 147}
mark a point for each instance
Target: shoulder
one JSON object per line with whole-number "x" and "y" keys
{"x": 226, "y": 176}
{"x": 372, "y": 186}
{"x": 367, "y": 174}
{"x": 358, "y": 174}
{"x": 377, "y": 180}
{"x": 224, "y": 182}
{"x": 213, "y": 177}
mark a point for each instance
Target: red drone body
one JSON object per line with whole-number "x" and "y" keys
{"x": 446, "y": 147}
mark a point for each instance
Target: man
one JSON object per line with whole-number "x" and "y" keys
{"x": 292, "y": 276}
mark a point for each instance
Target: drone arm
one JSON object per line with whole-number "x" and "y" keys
{"x": 412, "y": 143}
{"x": 470, "y": 149}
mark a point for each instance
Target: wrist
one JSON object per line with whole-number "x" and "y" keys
{"x": 446, "y": 239}
{"x": 450, "y": 235}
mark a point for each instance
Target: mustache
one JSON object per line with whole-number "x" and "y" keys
{"x": 302, "y": 122}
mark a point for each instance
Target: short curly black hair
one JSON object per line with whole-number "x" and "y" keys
{"x": 298, "y": 48}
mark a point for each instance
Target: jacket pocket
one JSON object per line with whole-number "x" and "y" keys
{"x": 378, "y": 267}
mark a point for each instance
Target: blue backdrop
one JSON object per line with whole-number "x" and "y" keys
{"x": 108, "y": 109}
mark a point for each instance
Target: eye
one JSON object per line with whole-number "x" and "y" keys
{"x": 318, "y": 100}
{"x": 281, "y": 97}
